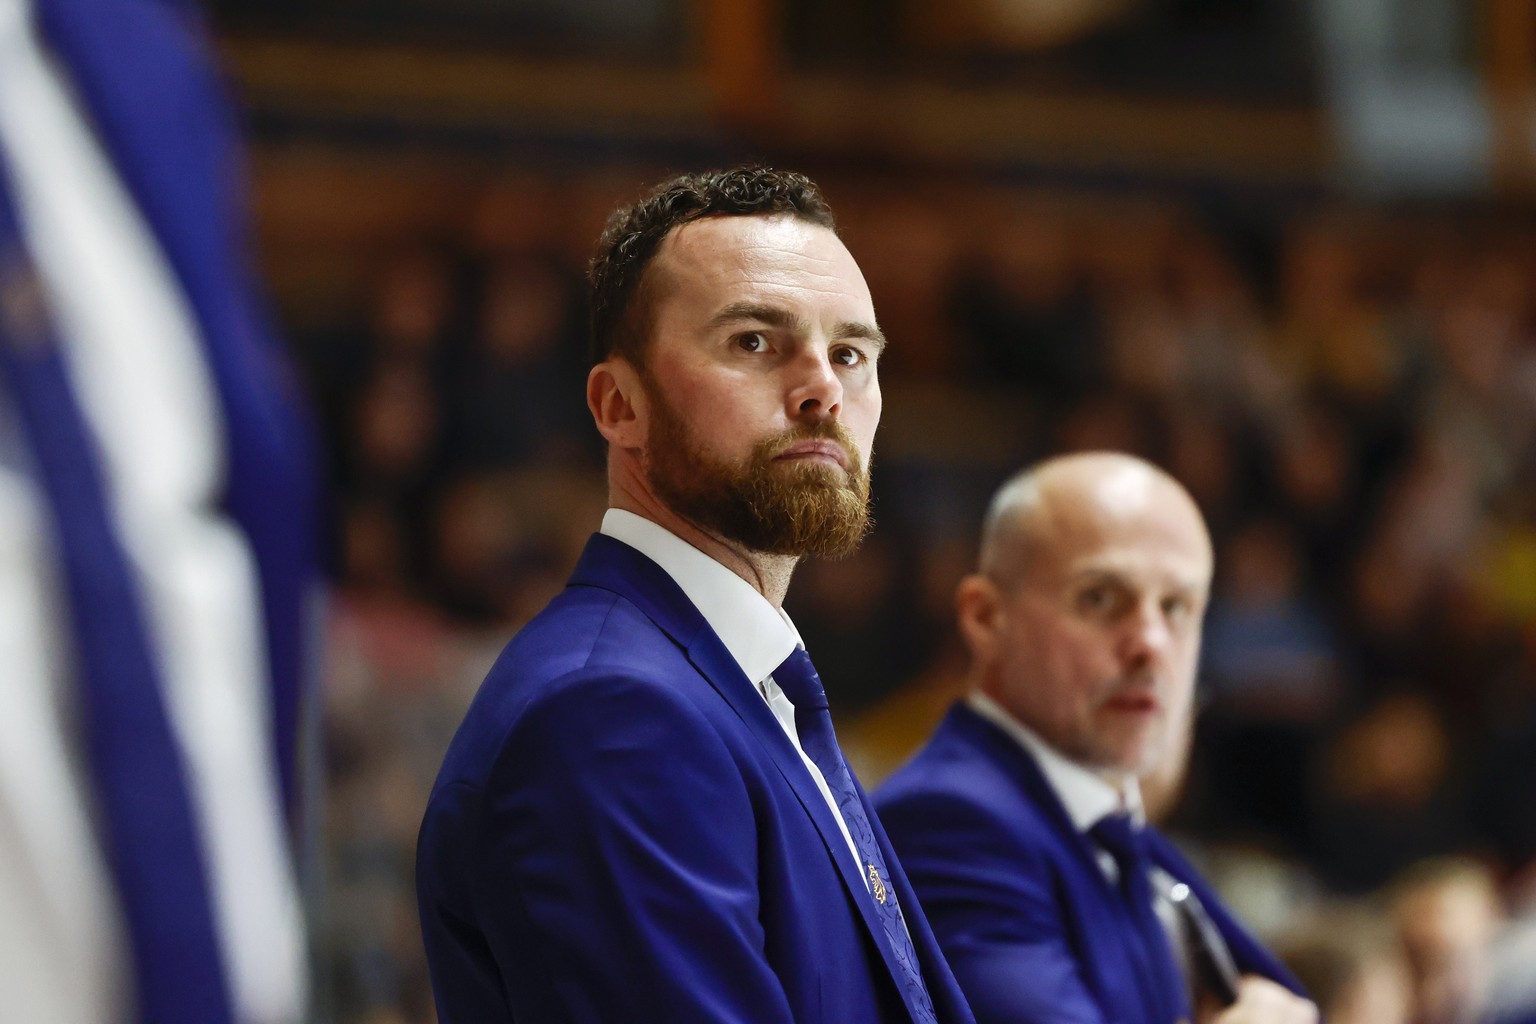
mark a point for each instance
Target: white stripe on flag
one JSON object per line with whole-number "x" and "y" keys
{"x": 61, "y": 935}
{"x": 133, "y": 352}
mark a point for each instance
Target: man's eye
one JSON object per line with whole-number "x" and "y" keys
{"x": 1096, "y": 599}
{"x": 752, "y": 341}
{"x": 846, "y": 355}
{"x": 1179, "y": 607}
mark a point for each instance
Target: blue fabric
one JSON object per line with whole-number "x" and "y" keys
{"x": 622, "y": 831}
{"x": 142, "y": 73}
{"x": 142, "y": 69}
{"x": 1156, "y": 966}
{"x": 1032, "y": 928}
{"x": 148, "y": 829}
{"x": 798, "y": 679}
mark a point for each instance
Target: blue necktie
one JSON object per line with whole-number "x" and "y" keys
{"x": 1123, "y": 840}
{"x": 798, "y": 679}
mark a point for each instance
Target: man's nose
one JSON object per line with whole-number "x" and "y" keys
{"x": 815, "y": 390}
{"x": 1148, "y": 635}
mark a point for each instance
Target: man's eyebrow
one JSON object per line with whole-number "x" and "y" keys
{"x": 775, "y": 316}
{"x": 1098, "y": 574}
{"x": 866, "y": 332}
{"x": 1102, "y": 573}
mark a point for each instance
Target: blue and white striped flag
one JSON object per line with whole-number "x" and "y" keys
{"x": 155, "y": 562}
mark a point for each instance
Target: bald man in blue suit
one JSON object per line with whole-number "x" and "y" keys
{"x": 645, "y": 816}
{"x": 1021, "y": 822}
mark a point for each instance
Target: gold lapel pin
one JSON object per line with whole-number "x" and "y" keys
{"x": 876, "y": 884}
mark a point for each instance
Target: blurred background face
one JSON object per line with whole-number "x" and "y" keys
{"x": 1095, "y": 646}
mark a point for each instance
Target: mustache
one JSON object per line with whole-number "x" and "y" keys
{"x": 827, "y": 430}
{"x": 1133, "y": 682}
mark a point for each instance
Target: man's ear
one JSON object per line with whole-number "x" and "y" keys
{"x": 978, "y": 611}
{"x": 617, "y": 401}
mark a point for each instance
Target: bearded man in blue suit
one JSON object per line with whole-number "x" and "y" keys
{"x": 1021, "y": 822}
{"x": 644, "y": 815}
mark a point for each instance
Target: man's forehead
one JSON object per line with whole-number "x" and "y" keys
{"x": 723, "y": 247}
{"x": 1123, "y": 528}
{"x": 706, "y": 238}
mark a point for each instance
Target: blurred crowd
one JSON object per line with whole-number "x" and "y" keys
{"x": 1348, "y": 392}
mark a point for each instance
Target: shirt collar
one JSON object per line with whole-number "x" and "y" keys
{"x": 1086, "y": 796}
{"x": 758, "y": 636}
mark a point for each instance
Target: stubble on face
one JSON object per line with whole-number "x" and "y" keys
{"x": 1093, "y": 524}
{"x": 1061, "y": 688}
{"x": 766, "y": 506}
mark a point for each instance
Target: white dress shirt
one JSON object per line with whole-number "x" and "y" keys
{"x": 1086, "y": 795}
{"x": 757, "y": 635}
{"x": 1088, "y": 798}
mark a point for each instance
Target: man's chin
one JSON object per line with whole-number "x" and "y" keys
{"x": 811, "y": 473}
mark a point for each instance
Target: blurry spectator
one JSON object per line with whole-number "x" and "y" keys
{"x": 383, "y": 637}
{"x": 1333, "y": 334}
{"x": 1146, "y": 352}
{"x": 1108, "y": 422}
{"x": 1447, "y": 913}
{"x": 856, "y": 612}
{"x": 395, "y": 428}
{"x": 1504, "y": 759}
{"x": 1269, "y": 654}
{"x": 393, "y": 454}
{"x": 1219, "y": 321}
{"x": 1480, "y": 406}
{"x": 1273, "y": 676}
{"x": 1388, "y": 626}
{"x": 518, "y": 395}
{"x": 410, "y": 322}
{"x": 1512, "y": 963}
{"x": 504, "y": 542}
{"x": 1319, "y": 491}
{"x": 414, "y": 304}
{"x": 1354, "y": 967}
{"x": 398, "y": 678}
{"x": 1026, "y": 312}
{"x": 522, "y": 211}
{"x": 909, "y": 254}
{"x": 1208, "y": 453}
{"x": 1387, "y": 796}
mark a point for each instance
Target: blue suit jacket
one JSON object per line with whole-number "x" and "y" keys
{"x": 1023, "y": 911}
{"x": 622, "y": 832}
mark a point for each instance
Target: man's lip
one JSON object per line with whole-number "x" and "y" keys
{"x": 815, "y": 449}
{"x": 1135, "y": 702}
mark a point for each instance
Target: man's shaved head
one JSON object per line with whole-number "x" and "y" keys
{"x": 1049, "y": 498}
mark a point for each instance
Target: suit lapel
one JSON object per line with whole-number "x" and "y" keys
{"x": 1005, "y": 752}
{"x": 1250, "y": 955}
{"x": 948, "y": 1001}
{"x": 712, "y": 660}
{"x": 612, "y": 565}
{"x": 1098, "y": 907}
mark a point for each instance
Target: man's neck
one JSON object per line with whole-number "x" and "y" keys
{"x": 1087, "y": 791}
{"x": 768, "y": 574}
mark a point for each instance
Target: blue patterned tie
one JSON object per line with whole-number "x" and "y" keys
{"x": 1123, "y": 840}
{"x": 798, "y": 679}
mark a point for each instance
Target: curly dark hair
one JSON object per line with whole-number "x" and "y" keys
{"x": 616, "y": 277}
